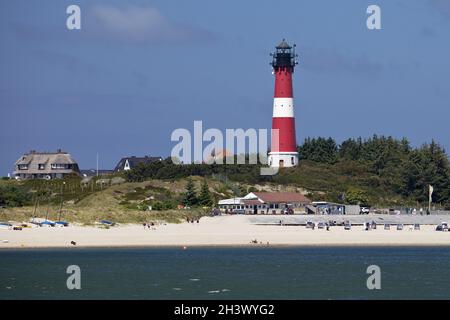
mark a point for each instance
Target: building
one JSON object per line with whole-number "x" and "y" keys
{"x": 266, "y": 203}
{"x": 45, "y": 165}
{"x": 324, "y": 207}
{"x": 283, "y": 151}
{"x": 130, "y": 162}
{"x": 232, "y": 205}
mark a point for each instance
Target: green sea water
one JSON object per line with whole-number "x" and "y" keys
{"x": 227, "y": 273}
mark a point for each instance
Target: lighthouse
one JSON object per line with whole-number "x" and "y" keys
{"x": 283, "y": 151}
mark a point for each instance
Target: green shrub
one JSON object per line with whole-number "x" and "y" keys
{"x": 14, "y": 196}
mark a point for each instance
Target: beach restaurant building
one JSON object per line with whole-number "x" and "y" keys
{"x": 266, "y": 203}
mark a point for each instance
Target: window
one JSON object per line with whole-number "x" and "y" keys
{"x": 23, "y": 167}
{"x": 292, "y": 160}
{"x": 41, "y": 166}
{"x": 59, "y": 166}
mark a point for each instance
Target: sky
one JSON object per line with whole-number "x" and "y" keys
{"x": 137, "y": 70}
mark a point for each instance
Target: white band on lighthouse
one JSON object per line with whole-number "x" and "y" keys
{"x": 283, "y": 108}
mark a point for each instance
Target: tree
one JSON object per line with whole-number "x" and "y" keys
{"x": 322, "y": 150}
{"x": 425, "y": 166}
{"x": 190, "y": 197}
{"x": 350, "y": 149}
{"x": 356, "y": 196}
{"x": 204, "y": 198}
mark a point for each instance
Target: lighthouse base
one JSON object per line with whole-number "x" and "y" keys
{"x": 283, "y": 159}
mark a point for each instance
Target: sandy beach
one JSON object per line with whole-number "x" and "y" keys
{"x": 218, "y": 231}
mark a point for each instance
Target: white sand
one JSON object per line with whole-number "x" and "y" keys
{"x": 223, "y": 230}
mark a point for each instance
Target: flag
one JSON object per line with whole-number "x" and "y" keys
{"x": 430, "y": 192}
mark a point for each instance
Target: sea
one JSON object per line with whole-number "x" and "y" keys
{"x": 226, "y": 273}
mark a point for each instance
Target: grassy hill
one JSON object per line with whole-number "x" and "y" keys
{"x": 129, "y": 202}
{"x": 380, "y": 171}
{"x": 124, "y": 202}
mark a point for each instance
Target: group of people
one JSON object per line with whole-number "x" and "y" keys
{"x": 188, "y": 220}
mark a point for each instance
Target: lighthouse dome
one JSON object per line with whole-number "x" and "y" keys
{"x": 283, "y": 45}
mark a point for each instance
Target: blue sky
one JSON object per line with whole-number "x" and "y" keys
{"x": 137, "y": 70}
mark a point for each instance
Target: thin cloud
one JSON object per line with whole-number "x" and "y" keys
{"x": 428, "y": 32}
{"x": 143, "y": 25}
{"x": 331, "y": 61}
{"x": 443, "y": 6}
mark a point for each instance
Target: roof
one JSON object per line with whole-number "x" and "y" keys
{"x": 278, "y": 197}
{"x": 283, "y": 45}
{"x": 230, "y": 201}
{"x": 134, "y": 161}
{"x": 252, "y": 202}
{"x": 33, "y": 159}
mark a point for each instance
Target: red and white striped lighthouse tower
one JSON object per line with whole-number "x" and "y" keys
{"x": 283, "y": 148}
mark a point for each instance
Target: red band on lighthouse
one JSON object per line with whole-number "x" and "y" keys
{"x": 286, "y": 134}
{"x": 284, "y": 151}
{"x": 283, "y": 83}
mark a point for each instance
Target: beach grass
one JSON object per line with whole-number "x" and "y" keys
{"x": 88, "y": 216}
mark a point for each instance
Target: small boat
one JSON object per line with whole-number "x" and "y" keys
{"x": 46, "y": 223}
{"x": 5, "y": 224}
{"x": 107, "y": 223}
{"x": 62, "y": 223}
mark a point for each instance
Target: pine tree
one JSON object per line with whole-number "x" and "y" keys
{"x": 190, "y": 197}
{"x": 204, "y": 198}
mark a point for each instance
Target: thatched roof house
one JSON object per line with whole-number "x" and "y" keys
{"x": 45, "y": 165}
